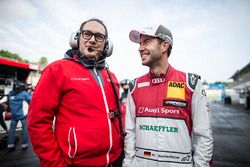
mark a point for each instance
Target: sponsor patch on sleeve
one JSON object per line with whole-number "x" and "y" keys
{"x": 176, "y": 90}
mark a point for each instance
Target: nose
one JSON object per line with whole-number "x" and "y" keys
{"x": 92, "y": 39}
{"x": 141, "y": 48}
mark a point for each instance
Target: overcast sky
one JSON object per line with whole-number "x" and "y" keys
{"x": 211, "y": 38}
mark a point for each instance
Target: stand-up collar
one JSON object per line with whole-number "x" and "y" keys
{"x": 162, "y": 77}
{"x": 87, "y": 62}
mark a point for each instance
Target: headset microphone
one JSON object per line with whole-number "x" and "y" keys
{"x": 91, "y": 50}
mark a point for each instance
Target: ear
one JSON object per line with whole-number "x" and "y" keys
{"x": 165, "y": 46}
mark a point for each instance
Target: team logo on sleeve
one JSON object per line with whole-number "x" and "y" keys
{"x": 192, "y": 80}
{"x": 176, "y": 90}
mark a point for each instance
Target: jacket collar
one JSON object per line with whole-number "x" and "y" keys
{"x": 76, "y": 55}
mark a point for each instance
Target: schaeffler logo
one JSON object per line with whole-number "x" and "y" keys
{"x": 157, "y": 110}
{"x": 158, "y": 80}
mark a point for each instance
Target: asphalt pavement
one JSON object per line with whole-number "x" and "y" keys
{"x": 18, "y": 158}
{"x": 231, "y": 130}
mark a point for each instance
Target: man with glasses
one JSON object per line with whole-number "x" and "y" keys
{"x": 72, "y": 118}
{"x": 167, "y": 117}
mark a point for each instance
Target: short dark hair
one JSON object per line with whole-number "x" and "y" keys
{"x": 97, "y": 20}
{"x": 160, "y": 41}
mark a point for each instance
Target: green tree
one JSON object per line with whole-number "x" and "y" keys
{"x": 43, "y": 62}
{"x": 7, "y": 54}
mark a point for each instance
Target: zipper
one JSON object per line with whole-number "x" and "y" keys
{"x": 107, "y": 111}
{"x": 72, "y": 131}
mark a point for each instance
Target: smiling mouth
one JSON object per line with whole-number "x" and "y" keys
{"x": 143, "y": 56}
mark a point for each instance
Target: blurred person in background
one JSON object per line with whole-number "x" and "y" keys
{"x": 125, "y": 84}
{"x": 16, "y": 98}
{"x": 3, "y": 107}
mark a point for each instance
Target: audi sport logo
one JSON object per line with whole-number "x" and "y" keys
{"x": 143, "y": 110}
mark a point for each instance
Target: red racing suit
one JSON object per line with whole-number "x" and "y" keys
{"x": 168, "y": 122}
{"x": 80, "y": 100}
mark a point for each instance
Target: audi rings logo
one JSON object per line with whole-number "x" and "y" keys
{"x": 158, "y": 80}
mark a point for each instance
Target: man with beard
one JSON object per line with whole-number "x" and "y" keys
{"x": 167, "y": 116}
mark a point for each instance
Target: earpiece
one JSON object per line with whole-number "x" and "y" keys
{"x": 74, "y": 40}
{"x": 74, "y": 44}
{"x": 108, "y": 49}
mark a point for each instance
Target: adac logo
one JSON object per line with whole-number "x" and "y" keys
{"x": 176, "y": 90}
{"x": 176, "y": 84}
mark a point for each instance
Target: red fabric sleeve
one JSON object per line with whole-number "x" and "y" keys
{"x": 44, "y": 103}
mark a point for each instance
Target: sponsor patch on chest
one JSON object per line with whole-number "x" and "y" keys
{"x": 143, "y": 84}
{"x": 176, "y": 90}
{"x": 175, "y": 103}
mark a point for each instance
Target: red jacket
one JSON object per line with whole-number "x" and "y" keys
{"x": 82, "y": 133}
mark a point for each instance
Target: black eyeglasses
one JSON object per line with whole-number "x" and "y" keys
{"x": 88, "y": 34}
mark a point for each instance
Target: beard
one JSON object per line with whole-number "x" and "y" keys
{"x": 151, "y": 59}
